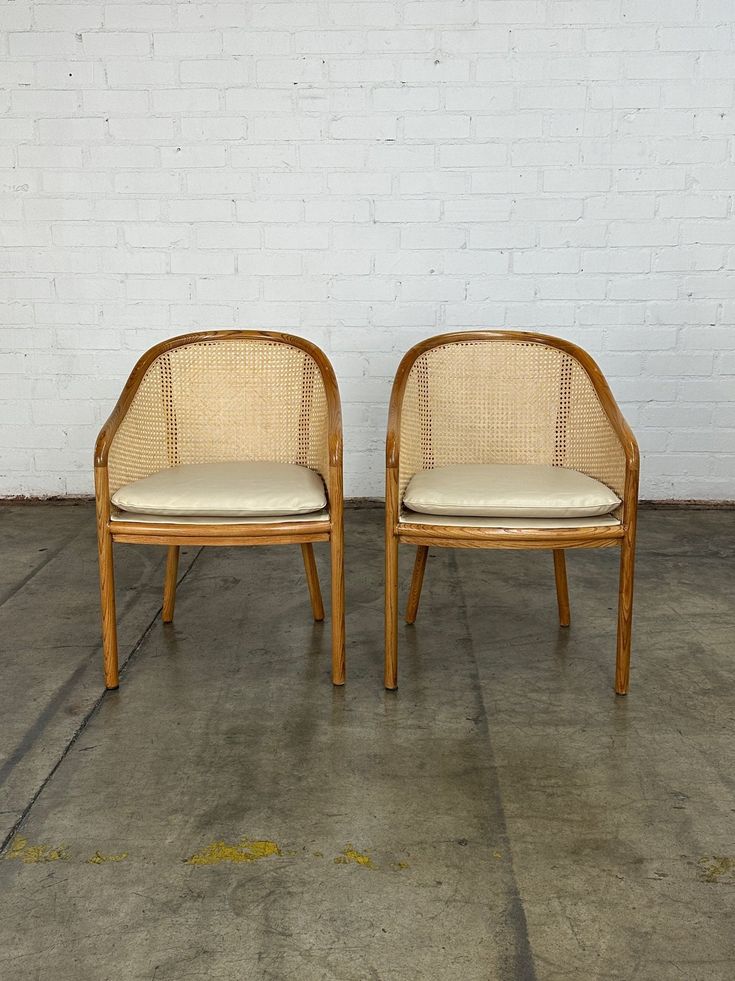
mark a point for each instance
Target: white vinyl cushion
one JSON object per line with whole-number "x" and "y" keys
{"x": 507, "y": 522}
{"x": 128, "y": 517}
{"x": 508, "y": 490}
{"x": 225, "y": 490}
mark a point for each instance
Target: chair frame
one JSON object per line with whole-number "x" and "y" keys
{"x": 273, "y": 532}
{"x": 424, "y": 536}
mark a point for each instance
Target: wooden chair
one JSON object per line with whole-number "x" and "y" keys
{"x": 536, "y": 410}
{"x": 223, "y": 438}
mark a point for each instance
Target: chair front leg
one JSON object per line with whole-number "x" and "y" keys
{"x": 169, "y": 583}
{"x": 625, "y": 612}
{"x": 417, "y": 581}
{"x": 391, "y": 579}
{"x": 312, "y": 581}
{"x": 391, "y": 610}
{"x": 562, "y": 590}
{"x": 107, "y": 581}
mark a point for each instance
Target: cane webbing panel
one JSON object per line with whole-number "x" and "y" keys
{"x": 498, "y": 401}
{"x": 224, "y": 400}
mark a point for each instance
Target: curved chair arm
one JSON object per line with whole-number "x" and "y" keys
{"x": 334, "y": 446}
{"x": 610, "y": 408}
{"x": 619, "y": 426}
{"x": 114, "y": 420}
{"x": 334, "y": 405}
{"x": 111, "y": 426}
{"x": 335, "y": 491}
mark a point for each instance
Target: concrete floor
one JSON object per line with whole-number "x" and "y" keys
{"x": 229, "y": 815}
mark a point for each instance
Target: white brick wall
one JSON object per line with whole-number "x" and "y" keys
{"x": 365, "y": 174}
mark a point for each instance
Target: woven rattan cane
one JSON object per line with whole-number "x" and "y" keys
{"x": 219, "y": 397}
{"x": 506, "y": 397}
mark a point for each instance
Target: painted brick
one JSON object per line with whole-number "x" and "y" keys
{"x": 366, "y": 173}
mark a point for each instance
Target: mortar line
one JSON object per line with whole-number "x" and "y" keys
{"x": 87, "y": 718}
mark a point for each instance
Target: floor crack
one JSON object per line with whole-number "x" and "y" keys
{"x": 50, "y": 710}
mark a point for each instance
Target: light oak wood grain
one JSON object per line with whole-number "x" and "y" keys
{"x": 169, "y": 583}
{"x": 107, "y": 583}
{"x": 417, "y": 581}
{"x": 312, "y": 581}
{"x": 562, "y": 589}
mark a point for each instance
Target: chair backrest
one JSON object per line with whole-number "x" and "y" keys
{"x": 232, "y": 396}
{"x": 504, "y": 398}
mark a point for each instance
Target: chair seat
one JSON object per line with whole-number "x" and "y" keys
{"x": 225, "y": 490}
{"x": 508, "y": 490}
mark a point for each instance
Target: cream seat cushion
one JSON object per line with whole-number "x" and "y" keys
{"x": 508, "y": 490}
{"x": 225, "y": 490}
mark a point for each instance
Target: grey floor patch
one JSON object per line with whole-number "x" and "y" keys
{"x": 229, "y": 814}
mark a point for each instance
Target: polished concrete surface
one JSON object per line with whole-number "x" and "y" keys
{"x": 227, "y": 814}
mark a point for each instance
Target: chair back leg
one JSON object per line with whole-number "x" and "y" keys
{"x": 312, "y": 581}
{"x": 417, "y": 581}
{"x": 562, "y": 590}
{"x": 169, "y": 583}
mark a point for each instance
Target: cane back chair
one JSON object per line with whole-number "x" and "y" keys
{"x": 223, "y": 438}
{"x": 470, "y": 405}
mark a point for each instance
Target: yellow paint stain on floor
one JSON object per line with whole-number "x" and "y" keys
{"x": 33, "y": 854}
{"x": 99, "y": 858}
{"x": 248, "y": 850}
{"x": 350, "y": 856}
{"x": 716, "y": 867}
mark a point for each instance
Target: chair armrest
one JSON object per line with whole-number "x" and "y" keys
{"x": 334, "y": 409}
{"x": 610, "y": 407}
{"x": 393, "y": 438}
{"x": 396, "y": 470}
{"x": 334, "y": 448}
{"x": 116, "y": 417}
{"x": 619, "y": 430}
{"x": 111, "y": 426}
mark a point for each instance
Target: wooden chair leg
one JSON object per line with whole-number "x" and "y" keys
{"x": 338, "y": 600}
{"x": 417, "y": 581}
{"x": 312, "y": 580}
{"x": 562, "y": 590}
{"x": 391, "y": 611}
{"x": 625, "y": 614}
{"x": 107, "y": 600}
{"x": 169, "y": 583}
